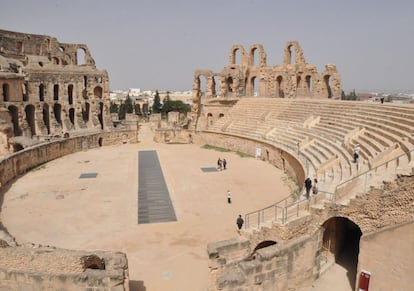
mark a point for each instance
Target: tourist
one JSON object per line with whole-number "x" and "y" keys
{"x": 308, "y": 186}
{"x": 219, "y": 164}
{"x": 228, "y": 197}
{"x": 224, "y": 164}
{"x": 239, "y": 223}
{"x": 315, "y": 186}
{"x": 356, "y": 153}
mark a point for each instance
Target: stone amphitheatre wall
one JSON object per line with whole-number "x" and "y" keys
{"x": 46, "y": 268}
{"x": 384, "y": 216}
{"x": 19, "y": 163}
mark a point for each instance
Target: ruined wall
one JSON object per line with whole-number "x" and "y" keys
{"x": 48, "y": 268}
{"x": 248, "y": 74}
{"x": 49, "y": 89}
{"x": 19, "y": 163}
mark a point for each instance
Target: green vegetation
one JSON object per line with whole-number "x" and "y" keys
{"x": 174, "y": 105}
{"x": 224, "y": 150}
{"x": 156, "y": 107}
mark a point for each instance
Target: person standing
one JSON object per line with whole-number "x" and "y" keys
{"x": 315, "y": 186}
{"x": 308, "y": 186}
{"x": 224, "y": 164}
{"x": 239, "y": 223}
{"x": 228, "y": 197}
{"x": 219, "y": 164}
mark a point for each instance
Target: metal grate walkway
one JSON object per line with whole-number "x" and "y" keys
{"x": 154, "y": 203}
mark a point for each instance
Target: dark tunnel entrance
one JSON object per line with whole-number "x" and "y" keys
{"x": 341, "y": 241}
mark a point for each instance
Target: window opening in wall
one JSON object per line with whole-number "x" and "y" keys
{"x": 85, "y": 112}
{"x": 56, "y": 92}
{"x": 46, "y": 118}
{"x": 99, "y": 79}
{"x": 55, "y": 61}
{"x": 255, "y": 86}
{"x": 84, "y": 87}
{"x": 97, "y": 91}
{"x": 279, "y": 87}
{"x": 25, "y": 88}
{"x": 70, "y": 94}
{"x": 72, "y": 116}
{"x": 326, "y": 79}
{"x": 30, "y": 118}
{"x": 230, "y": 84}
{"x": 80, "y": 56}
{"x": 254, "y": 57}
{"x": 41, "y": 92}
{"x": 6, "y": 93}
{"x": 100, "y": 115}
{"x": 292, "y": 54}
{"x": 237, "y": 56}
{"x": 309, "y": 86}
{"x": 20, "y": 47}
{"x": 14, "y": 114}
{"x": 57, "y": 111}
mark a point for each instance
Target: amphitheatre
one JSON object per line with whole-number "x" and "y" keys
{"x": 86, "y": 205}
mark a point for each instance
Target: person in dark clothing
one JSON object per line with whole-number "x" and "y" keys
{"x": 224, "y": 164}
{"x": 308, "y": 186}
{"x": 239, "y": 223}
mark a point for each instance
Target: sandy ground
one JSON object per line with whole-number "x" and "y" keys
{"x": 52, "y": 206}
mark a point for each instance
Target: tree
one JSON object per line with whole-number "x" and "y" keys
{"x": 137, "y": 108}
{"x": 113, "y": 108}
{"x": 156, "y": 107}
{"x": 351, "y": 96}
{"x": 129, "y": 108}
{"x": 122, "y": 111}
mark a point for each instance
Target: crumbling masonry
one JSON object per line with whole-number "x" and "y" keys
{"x": 48, "y": 89}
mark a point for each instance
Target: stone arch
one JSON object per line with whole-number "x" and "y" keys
{"x": 253, "y": 85}
{"x": 280, "y": 92}
{"x": 41, "y": 92}
{"x": 70, "y": 94}
{"x": 6, "y": 92}
{"x": 25, "y": 89}
{"x": 14, "y": 115}
{"x": 209, "y": 119}
{"x": 296, "y": 55}
{"x": 80, "y": 56}
{"x": 97, "y": 92}
{"x": 55, "y": 61}
{"x": 46, "y": 117}
{"x": 309, "y": 85}
{"x": 57, "y": 112}
{"x": 233, "y": 54}
{"x": 30, "y": 118}
{"x": 340, "y": 242}
{"x": 261, "y": 55}
{"x": 264, "y": 244}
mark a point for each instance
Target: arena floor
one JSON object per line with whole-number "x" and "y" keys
{"x": 52, "y": 205}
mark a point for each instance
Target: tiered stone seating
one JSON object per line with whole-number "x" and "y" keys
{"x": 326, "y": 131}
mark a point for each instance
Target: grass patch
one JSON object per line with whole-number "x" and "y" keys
{"x": 177, "y": 142}
{"x": 224, "y": 150}
{"x": 38, "y": 168}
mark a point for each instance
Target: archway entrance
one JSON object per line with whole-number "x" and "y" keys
{"x": 341, "y": 243}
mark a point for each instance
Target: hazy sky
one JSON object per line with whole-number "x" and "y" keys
{"x": 158, "y": 44}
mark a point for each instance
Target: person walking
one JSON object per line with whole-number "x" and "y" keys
{"x": 308, "y": 186}
{"x": 239, "y": 223}
{"x": 228, "y": 197}
{"x": 219, "y": 164}
{"x": 224, "y": 164}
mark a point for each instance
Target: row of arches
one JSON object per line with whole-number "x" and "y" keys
{"x": 46, "y": 113}
{"x": 57, "y": 92}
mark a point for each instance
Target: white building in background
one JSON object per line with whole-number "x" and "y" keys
{"x": 134, "y": 91}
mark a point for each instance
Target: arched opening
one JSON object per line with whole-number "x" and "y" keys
{"x": 209, "y": 119}
{"x": 309, "y": 86}
{"x": 236, "y": 56}
{"x": 55, "y": 61}
{"x": 292, "y": 54}
{"x": 14, "y": 114}
{"x": 229, "y": 83}
{"x": 70, "y": 94}
{"x": 97, "y": 91}
{"x": 93, "y": 262}
{"x": 254, "y": 59}
{"x": 100, "y": 115}
{"x": 100, "y": 141}
{"x": 41, "y": 92}
{"x": 264, "y": 244}
{"x": 255, "y": 86}
{"x": 72, "y": 116}
{"x": 80, "y": 56}
{"x": 85, "y": 112}
{"x": 221, "y": 115}
{"x": 46, "y": 118}
{"x": 341, "y": 243}
{"x": 30, "y": 118}
{"x": 84, "y": 86}
{"x": 56, "y": 92}
{"x": 57, "y": 111}
{"x": 6, "y": 92}
{"x": 328, "y": 89}
{"x": 145, "y": 109}
{"x": 279, "y": 87}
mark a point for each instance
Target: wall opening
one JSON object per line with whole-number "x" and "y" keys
{"x": 97, "y": 91}
{"x": 309, "y": 85}
{"x": 100, "y": 141}
{"x": 93, "y": 262}
{"x": 46, "y": 118}
{"x": 264, "y": 244}
{"x": 57, "y": 111}
{"x": 14, "y": 114}
{"x": 279, "y": 87}
{"x": 230, "y": 84}
{"x": 341, "y": 242}
{"x": 30, "y": 118}
{"x": 100, "y": 115}
{"x": 56, "y": 92}
{"x": 6, "y": 92}
{"x": 70, "y": 94}
{"x": 254, "y": 58}
{"x": 72, "y": 116}
{"x": 85, "y": 112}
{"x": 41, "y": 92}
{"x": 209, "y": 119}
{"x": 326, "y": 80}
{"x": 236, "y": 56}
{"x": 25, "y": 88}
{"x": 80, "y": 56}
{"x": 84, "y": 87}
{"x": 292, "y": 54}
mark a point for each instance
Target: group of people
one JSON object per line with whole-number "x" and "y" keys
{"x": 221, "y": 164}
{"x": 311, "y": 186}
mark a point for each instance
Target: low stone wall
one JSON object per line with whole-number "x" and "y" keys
{"x": 20, "y": 162}
{"x": 277, "y": 157}
{"x": 47, "y": 268}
